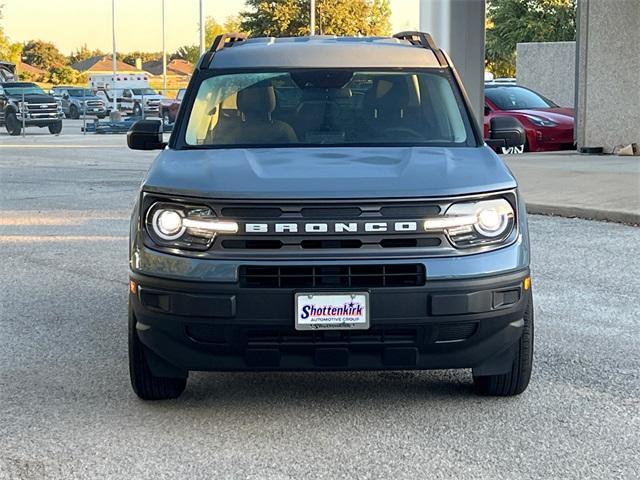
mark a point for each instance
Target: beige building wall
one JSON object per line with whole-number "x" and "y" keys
{"x": 608, "y": 100}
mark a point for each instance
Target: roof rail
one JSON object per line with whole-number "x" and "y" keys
{"x": 424, "y": 40}
{"x": 226, "y": 40}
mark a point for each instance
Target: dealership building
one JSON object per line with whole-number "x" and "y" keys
{"x": 601, "y": 70}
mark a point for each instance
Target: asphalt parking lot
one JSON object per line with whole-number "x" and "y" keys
{"x": 67, "y": 410}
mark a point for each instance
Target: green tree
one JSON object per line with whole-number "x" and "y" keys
{"x": 65, "y": 75}
{"x": 41, "y": 54}
{"x": 83, "y": 53}
{"x": 131, "y": 57}
{"x": 513, "y": 21}
{"x": 8, "y": 51}
{"x": 190, "y": 53}
{"x": 281, "y": 18}
{"x": 212, "y": 29}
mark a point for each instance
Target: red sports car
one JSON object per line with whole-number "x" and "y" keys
{"x": 548, "y": 127}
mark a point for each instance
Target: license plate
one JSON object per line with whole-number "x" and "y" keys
{"x": 332, "y": 311}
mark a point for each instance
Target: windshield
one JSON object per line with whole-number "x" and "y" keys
{"x": 517, "y": 98}
{"x": 328, "y": 107}
{"x": 144, "y": 91}
{"x": 80, "y": 92}
{"x": 20, "y": 88}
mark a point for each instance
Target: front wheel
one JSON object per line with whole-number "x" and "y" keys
{"x": 55, "y": 128}
{"x": 13, "y": 124}
{"x": 517, "y": 379}
{"x": 146, "y": 385}
{"x": 74, "y": 113}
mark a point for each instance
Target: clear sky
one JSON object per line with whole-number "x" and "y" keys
{"x": 72, "y": 23}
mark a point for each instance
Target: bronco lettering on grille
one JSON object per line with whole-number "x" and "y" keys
{"x": 332, "y": 227}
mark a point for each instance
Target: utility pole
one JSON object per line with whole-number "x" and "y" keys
{"x": 113, "y": 53}
{"x": 202, "y": 46}
{"x": 164, "y": 52}
{"x": 313, "y": 17}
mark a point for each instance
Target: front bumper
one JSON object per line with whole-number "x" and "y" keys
{"x": 551, "y": 138}
{"x": 471, "y": 323}
{"x": 40, "y": 120}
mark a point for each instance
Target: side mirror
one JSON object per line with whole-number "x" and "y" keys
{"x": 506, "y": 132}
{"x": 146, "y": 135}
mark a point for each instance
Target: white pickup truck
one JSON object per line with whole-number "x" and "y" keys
{"x": 132, "y": 93}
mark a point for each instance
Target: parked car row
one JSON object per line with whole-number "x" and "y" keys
{"x": 547, "y": 126}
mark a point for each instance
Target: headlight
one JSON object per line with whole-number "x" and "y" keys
{"x": 541, "y": 122}
{"x": 190, "y": 227}
{"x": 472, "y": 224}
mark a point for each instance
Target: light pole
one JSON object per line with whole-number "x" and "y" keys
{"x": 164, "y": 52}
{"x": 113, "y": 53}
{"x": 202, "y": 47}
{"x": 313, "y": 17}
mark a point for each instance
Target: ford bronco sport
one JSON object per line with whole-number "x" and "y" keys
{"x": 324, "y": 204}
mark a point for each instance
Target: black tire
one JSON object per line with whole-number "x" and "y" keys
{"x": 137, "y": 110}
{"x": 55, "y": 128}
{"x": 73, "y": 112}
{"x": 144, "y": 383}
{"x": 516, "y": 381}
{"x": 14, "y": 127}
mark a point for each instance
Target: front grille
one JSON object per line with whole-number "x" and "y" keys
{"x": 332, "y": 229}
{"x": 352, "y": 218}
{"x": 336, "y": 338}
{"x": 419, "y": 336}
{"x": 94, "y": 103}
{"x": 285, "y": 337}
{"x": 333, "y": 276}
{"x": 42, "y": 108}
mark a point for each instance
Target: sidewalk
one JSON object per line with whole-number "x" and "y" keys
{"x": 599, "y": 187}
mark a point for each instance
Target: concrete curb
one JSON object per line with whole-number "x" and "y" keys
{"x": 629, "y": 218}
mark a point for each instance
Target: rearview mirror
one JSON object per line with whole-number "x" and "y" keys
{"x": 146, "y": 135}
{"x": 506, "y": 132}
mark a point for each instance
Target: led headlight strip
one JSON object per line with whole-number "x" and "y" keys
{"x": 182, "y": 226}
{"x": 470, "y": 224}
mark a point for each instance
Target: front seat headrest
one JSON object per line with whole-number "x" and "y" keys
{"x": 391, "y": 94}
{"x": 257, "y": 100}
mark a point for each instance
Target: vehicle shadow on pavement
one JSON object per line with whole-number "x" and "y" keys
{"x": 256, "y": 388}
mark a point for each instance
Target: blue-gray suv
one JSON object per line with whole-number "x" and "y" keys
{"x": 328, "y": 203}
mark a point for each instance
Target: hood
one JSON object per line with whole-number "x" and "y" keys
{"x": 151, "y": 97}
{"x": 340, "y": 173}
{"x": 88, "y": 98}
{"x": 559, "y": 115}
{"x": 35, "y": 99}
